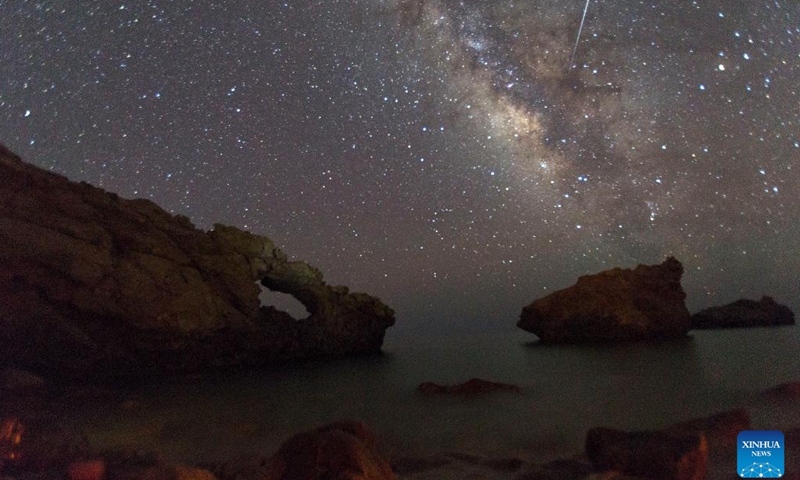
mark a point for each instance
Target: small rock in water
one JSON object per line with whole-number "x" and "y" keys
{"x": 784, "y": 391}
{"x": 474, "y": 386}
{"x": 744, "y": 314}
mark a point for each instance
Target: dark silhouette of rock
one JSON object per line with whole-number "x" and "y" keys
{"x": 97, "y": 286}
{"x": 343, "y": 450}
{"x": 472, "y": 387}
{"x": 655, "y": 455}
{"x": 744, "y": 314}
{"x": 615, "y": 305}
{"x": 784, "y": 392}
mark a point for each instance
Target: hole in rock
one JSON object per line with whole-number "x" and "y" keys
{"x": 283, "y": 302}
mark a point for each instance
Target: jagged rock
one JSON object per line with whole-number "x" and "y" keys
{"x": 655, "y": 455}
{"x": 472, "y": 387}
{"x": 342, "y": 450}
{"x": 644, "y": 303}
{"x": 96, "y": 285}
{"x": 743, "y": 314}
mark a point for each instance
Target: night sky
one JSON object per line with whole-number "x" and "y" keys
{"x": 441, "y": 154}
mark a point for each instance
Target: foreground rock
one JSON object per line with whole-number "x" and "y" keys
{"x": 679, "y": 452}
{"x": 343, "y": 450}
{"x": 93, "y": 284}
{"x": 615, "y": 305}
{"x": 744, "y": 314}
{"x": 720, "y": 430}
{"x": 655, "y": 455}
{"x": 38, "y": 445}
{"x": 471, "y": 387}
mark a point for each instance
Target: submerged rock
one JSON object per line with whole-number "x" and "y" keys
{"x": 655, "y": 455}
{"x": 342, "y": 450}
{"x": 644, "y": 303}
{"x": 473, "y": 386}
{"x": 743, "y": 314}
{"x": 97, "y": 286}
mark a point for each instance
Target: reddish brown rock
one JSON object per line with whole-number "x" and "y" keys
{"x": 96, "y": 285}
{"x": 744, "y": 314}
{"x": 615, "y": 305}
{"x": 655, "y": 455}
{"x": 342, "y": 451}
{"x": 471, "y": 387}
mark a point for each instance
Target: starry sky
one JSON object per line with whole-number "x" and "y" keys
{"x": 444, "y": 155}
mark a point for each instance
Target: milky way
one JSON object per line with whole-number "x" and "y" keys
{"x": 441, "y": 154}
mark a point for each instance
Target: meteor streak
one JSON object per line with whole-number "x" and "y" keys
{"x": 578, "y": 38}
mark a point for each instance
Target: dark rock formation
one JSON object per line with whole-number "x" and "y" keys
{"x": 784, "y": 392}
{"x": 93, "y": 284}
{"x": 343, "y": 450}
{"x": 655, "y": 455}
{"x": 471, "y": 387}
{"x": 744, "y": 313}
{"x": 644, "y": 303}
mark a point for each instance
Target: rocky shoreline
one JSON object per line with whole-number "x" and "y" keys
{"x": 35, "y": 443}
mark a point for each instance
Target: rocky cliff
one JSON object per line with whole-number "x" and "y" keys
{"x": 93, "y": 284}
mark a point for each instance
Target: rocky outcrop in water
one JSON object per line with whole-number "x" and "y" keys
{"x": 744, "y": 314}
{"x": 472, "y": 387}
{"x": 615, "y": 305}
{"x": 100, "y": 286}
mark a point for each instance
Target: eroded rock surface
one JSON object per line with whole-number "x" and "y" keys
{"x": 620, "y": 304}
{"x": 93, "y": 284}
{"x": 743, "y": 314}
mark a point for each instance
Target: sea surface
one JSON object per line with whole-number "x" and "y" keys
{"x": 565, "y": 391}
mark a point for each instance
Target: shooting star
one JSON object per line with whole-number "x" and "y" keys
{"x": 578, "y": 39}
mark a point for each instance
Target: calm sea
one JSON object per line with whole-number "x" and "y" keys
{"x": 565, "y": 391}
